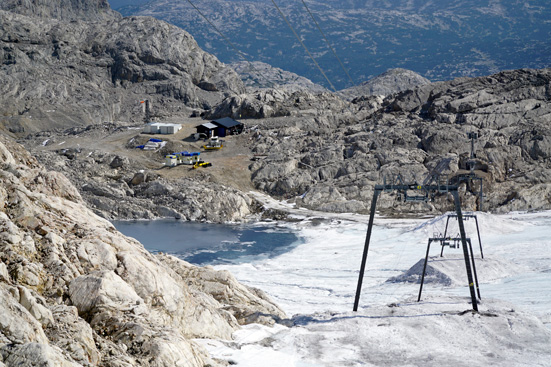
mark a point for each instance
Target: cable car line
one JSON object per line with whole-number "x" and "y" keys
{"x": 303, "y": 45}
{"x": 328, "y": 44}
{"x": 226, "y": 39}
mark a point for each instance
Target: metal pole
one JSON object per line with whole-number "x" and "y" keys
{"x": 445, "y": 232}
{"x": 465, "y": 248}
{"x": 366, "y": 247}
{"x": 481, "y": 196}
{"x": 479, "y": 240}
{"x": 424, "y": 270}
{"x": 474, "y": 269}
{"x": 147, "y": 111}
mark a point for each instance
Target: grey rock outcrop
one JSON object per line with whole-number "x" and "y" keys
{"x": 60, "y": 74}
{"x": 327, "y": 161}
{"x": 259, "y": 75}
{"x": 75, "y": 292}
{"x": 71, "y": 10}
{"x": 277, "y": 102}
{"x": 390, "y": 82}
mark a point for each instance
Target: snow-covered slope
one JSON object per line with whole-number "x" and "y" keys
{"x": 317, "y": 282}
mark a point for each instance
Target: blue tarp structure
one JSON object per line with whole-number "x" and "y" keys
{"x": 187, "y": 154}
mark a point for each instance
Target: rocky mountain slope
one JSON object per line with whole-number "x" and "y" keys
{"x": 331, "y": 161}
{"x": 258, "y": 75}
{"x": 94, "y": 10}
{"x": 75, "y": 292}
{"x": 59, "y": 74}
{"x": 390, "y": 82}
{"x": 324, "y": 153}
{"x": 441, "y": 40}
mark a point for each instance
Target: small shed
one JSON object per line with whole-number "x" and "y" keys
{"x": 228, "y": 126}
{"x": 188, "y": 157}
{"x": 208, "y": 128}
{"x": 171, "y": 160}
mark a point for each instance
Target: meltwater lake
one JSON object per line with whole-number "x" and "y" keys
{"x": 210, "y": 243}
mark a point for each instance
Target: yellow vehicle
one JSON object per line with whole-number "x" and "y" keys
{"x": 213, "y": 143}
{"x": 202, "y": 164}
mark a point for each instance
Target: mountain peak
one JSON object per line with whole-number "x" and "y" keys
{"x": 391, "y": 81}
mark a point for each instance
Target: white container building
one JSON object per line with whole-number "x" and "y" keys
{"x": 161, "y": 128}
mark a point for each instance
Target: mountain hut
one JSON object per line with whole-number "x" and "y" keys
{"x": 228, "y": 126}
{"x": 208, "y": 128}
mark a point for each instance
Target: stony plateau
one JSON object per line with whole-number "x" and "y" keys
{"x": 75, "y": 292}
{"x": 332, "y": 159}
{"x": 324, "y": 153}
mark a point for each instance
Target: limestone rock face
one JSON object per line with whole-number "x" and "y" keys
{"x": 75, "y": 292}
{"x": 390, "y": 82}
{"x": 87, "y": 10}
{"x": 332, "y": 161}
{"x": 276, "y": 102}
{"x": 223, "y": 287}
{"x": 35, "y": 354}
{"x": 61, "y": 74}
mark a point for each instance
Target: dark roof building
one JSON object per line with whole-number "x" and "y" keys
{"x": 207, "y": 128}
{"x": 228, "y": 126}
{"x": 221, "y": 127}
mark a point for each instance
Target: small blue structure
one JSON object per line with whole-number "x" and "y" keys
{"x": 188, "y": 158}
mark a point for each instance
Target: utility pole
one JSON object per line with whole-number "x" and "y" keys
{"x": 146, "y": 110}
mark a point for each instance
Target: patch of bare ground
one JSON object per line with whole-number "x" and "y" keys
{"x": 229, "y": 164}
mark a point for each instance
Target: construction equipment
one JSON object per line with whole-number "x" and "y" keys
{"x": 214, "y": 143}
{"x": 201, "y": 164}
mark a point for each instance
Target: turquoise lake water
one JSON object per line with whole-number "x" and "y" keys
{"x": 209, "y": 243}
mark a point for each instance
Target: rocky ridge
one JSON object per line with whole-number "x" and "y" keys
{"x": 390, "y": 82}
{"x": 258, "y": 75}
{"x": 75, "y": 292}
{"x": 332, "y": 161}
{"x": 267, "y": 103}
{"x": 60, "y": 74}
